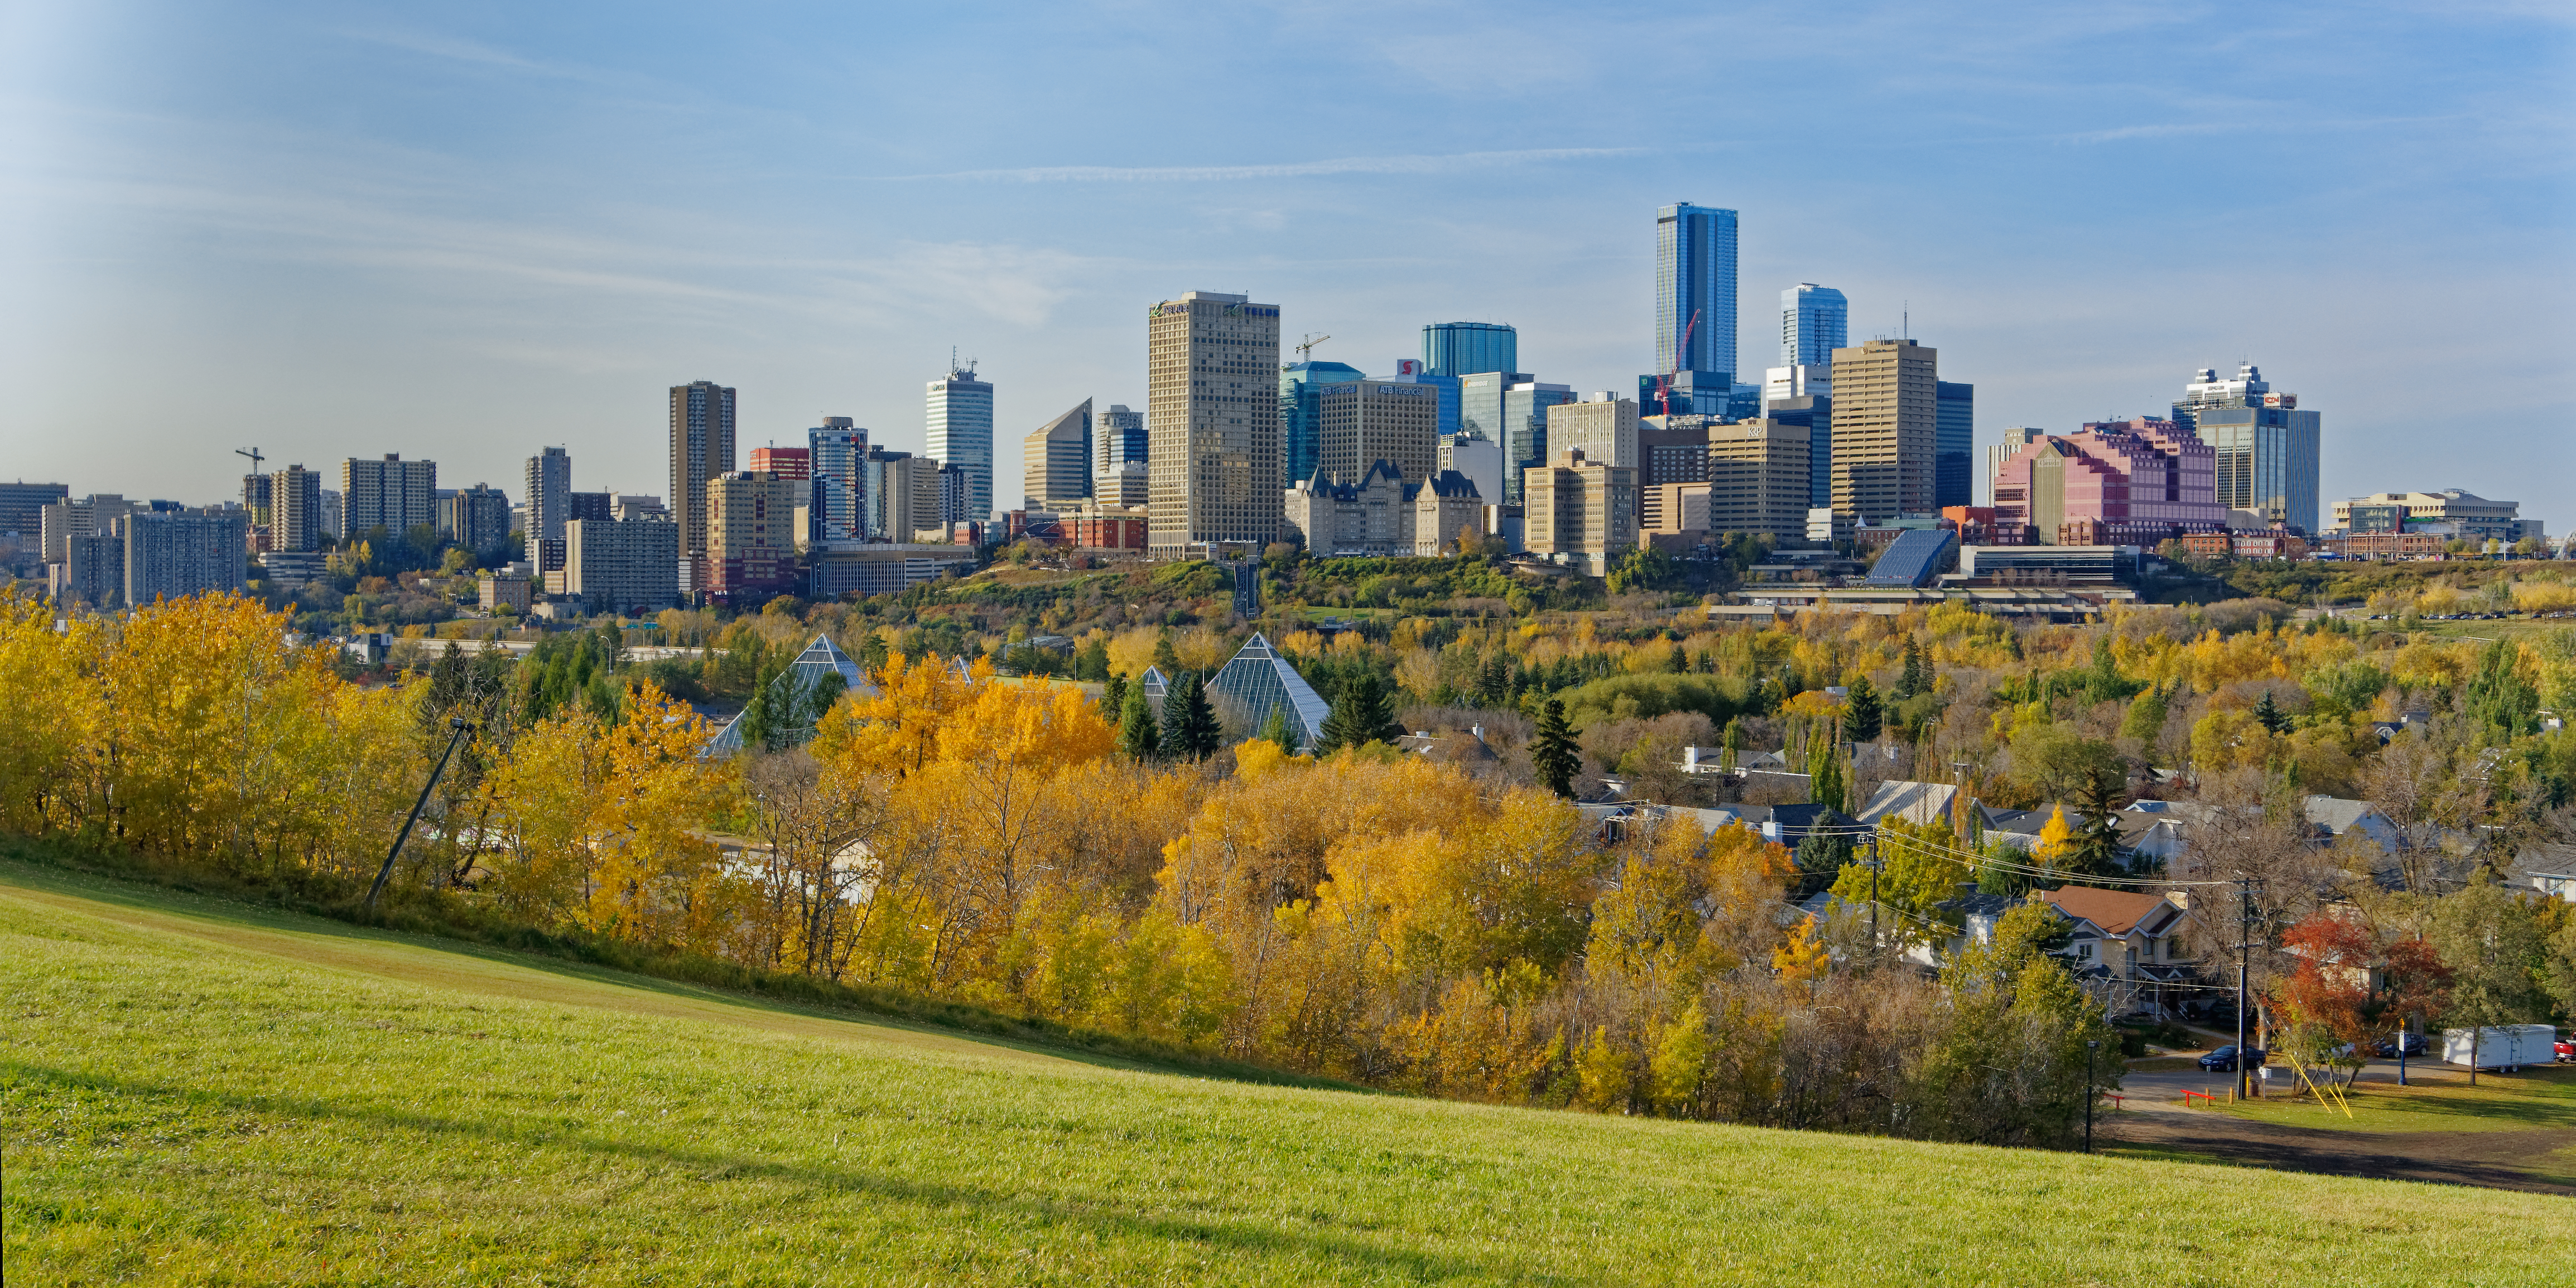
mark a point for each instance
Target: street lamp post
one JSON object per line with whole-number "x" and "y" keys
{"x": 2091, "y": 1045}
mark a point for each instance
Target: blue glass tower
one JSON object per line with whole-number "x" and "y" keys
{"x": 1814, "y": 321}
{"x": 1954, "y": 444}
{"x": 1463, "y": 348}
{"x": 1695, "y": 291}
{"x": 1301, "y": 386}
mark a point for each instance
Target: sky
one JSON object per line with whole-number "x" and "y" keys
{"x": 467, "y": 230}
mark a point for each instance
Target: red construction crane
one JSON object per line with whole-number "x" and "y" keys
{"x": 1664, "y": 386}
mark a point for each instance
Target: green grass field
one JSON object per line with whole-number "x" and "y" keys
{"x": 2500, "y": 1102}
{"x": 200, "y": 1092}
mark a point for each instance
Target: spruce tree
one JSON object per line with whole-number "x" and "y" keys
{"x": 1862, "y": 718}
{"x": 1553, "y": 754}
{"x": 1200, "y": 734}
{"x": 1139, "y": 735}
{"x": 1363, "y": 714}
{"x": 1165, "y": 660}
{"x": 1113, "y": 696}
{"x": 1175, "y": 713}
{"x": 1915, "y": 681}
{"x": 1825, "y": 784}
{"x": 2270, "y": 716}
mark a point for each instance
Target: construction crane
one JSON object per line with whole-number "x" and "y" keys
{"x": 1306, "y": 351}
{"x": 253, "y": 454}
{"x": 1664, "y": 387}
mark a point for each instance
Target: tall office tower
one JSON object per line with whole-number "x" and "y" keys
{"x": 1121, "y": 437}
{"x": 1301, "y": 386}
{"x": 1695, "y": 292}
{"x": 549, "y": 482}
{"x": 477, "y": 518}
{"x": 393, "y": 494}
{"x": 1814, "y": 321}
{"x": 1757, "y": 474}
{"x": 785, "y": 462}
{"x": 1410, "y": 371}
{"x": 751, "y": 535}
{"x": 1524, "y": 417}
{"x": 702, "y": 421}
{"x": 961, "y": 434}
{"x": 1886, "y": 429}
{"x": 1464, "y": 348}
{"x": 1363, "y": 422}
{"x": 956, "y": 489}
{"x": 1478, "y": 457}
{"x": 1954, "y": 470}
{"x": 22, "y": 505}
{"x": 1056, "y": 460}
{"x": 1816, "y": 413}
{"x": 92, "y": 515}
{"x": 172, "y": 554}
{"x": 1212, "y": 423}
{"x": 1603, "y": 427}
{"x": 2267, "y": 448}
{"x": 1480, "y": 401}
{"x": 295, "y": 509}
{"x": 891, "y": 495}
{"x": 1581, "y": 512}
{"x": 623, "y": 566}
{"x": 837, "y": 453}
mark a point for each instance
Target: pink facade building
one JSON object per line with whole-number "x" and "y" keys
{"x": 2122, "y": 482}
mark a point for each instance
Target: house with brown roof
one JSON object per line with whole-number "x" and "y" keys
{"x": 2127, "y": 946}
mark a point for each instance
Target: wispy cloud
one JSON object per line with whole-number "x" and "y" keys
{"x": 466, "y": 51}
{"x": 2182, "y": 129}
{"x": 1450, "y": 164}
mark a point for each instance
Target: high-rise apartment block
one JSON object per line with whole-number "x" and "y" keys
{"x": 1814, "y": 321}
{"x": 1301, "y": 401}
{"x": 175, "y": 554}
{"x": 549, "y": 483}
{"x": 92, "y": 515}
{"x": 1465, "y": 348}
{"x": 1757, "y": 475}
{"x": 1581, "y": 513}
{"x": 1056, "y": 460}
{"x": 618, "y": 566}
{"x": 751, "y": 535}
{"x": 393, "y": 494}
{"x": 702, "y": 447}
{"x": 956, "y": 490}
{"x": 2267, "y": 448}
{"x": 2115, "y": 483}
{"x": 1603, "y": 427}
{"x": 961, "y": 434}
{"x": 837, "y": 454}
{"x": 22, "y": 505}
{"x": 477, "y": 518}
{"x": 296, "y": 520}
{"x": 1954, "y": 477}
{"x": 1886, "y": 429}
{"x": 1212, "y": 422}
{"x": 785, "y": 462}
{"x": 1362, "y": 422}
{"x": 1695, "y": 292}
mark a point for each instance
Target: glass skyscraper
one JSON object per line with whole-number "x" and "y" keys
{"x": 1461, "y": 348}
{"x": 1954, "y": 437}
{"x": 2267, "y": 448}
{"x": 961, "y": 433}
{"x": 837, "y": 456}
{"x": 1525, "y": 429}
{"x": 1695, "y": 291}
{"x": 1301, "y": 387}
{"x": 1814, "y": 321}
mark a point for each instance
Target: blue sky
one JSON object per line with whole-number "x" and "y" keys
{"x": 465, "y": 230}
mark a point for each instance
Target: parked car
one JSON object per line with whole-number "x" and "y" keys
{"x": 2386, "y": 1048}
{"x": 2567, "y": 1050}
{"x": 2223, "y": 1060}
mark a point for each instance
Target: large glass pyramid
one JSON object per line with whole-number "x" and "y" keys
{"x": 821, "y": 659}
{"x": 1258, "y": 680}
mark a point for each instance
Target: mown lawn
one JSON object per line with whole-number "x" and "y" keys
{"x": 2500, "y": 1102}
{"x": 195, "y": 1092}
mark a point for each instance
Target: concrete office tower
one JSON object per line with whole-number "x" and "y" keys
{"x": 751, "y": 535}
{"x": 1603, "y": 427}
{"x": 2267, "y": 448}
{"x": 1524, "y": 417}
{"x": 1056, "y": 460}
{"x": 1476, "y": 457}
{"x": 1465, "y": 348}
{"x": 1816, "y": 412}
{"x": 623, "y": 567}
{"x": 1364, "y": 422}
{"x": 785, "y": 462}
{"x": 295, "y": 516}
{"x": 1212, "y": 423}
{"x": 1301, "y": 386}
{"x": 961, "y": 434}
{"x": 894, "y": 494}
{"x": 1886, "y": 429}
{"x": 549, "y": 483}
{"x": 1814, "y": 321}
{"x": 175, "y": 554}
{"x": 22, "y": 506}
{"x": 702, "y": 429}
{"x": 1120, "y": 435}
{"x": 1410, "y": 371}
{"x": 477, "y": 518}
{"x": 1581, "y": 513}
{"x": 1954, "y": 470}
{"x": 1695, "y": 292}
{"x": 837, "y": 454}
{"x": 1781, "y": 384}
{"x": 393, "y": 494}
{"x": 1757, "y": 476}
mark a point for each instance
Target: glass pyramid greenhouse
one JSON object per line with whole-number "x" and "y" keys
{"x": 821, "y": 659}
{"x": 1257, "y": 681}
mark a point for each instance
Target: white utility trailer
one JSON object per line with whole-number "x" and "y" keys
{"x": 2508, "y": 1046}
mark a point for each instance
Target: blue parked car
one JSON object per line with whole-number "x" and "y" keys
{"x": 2223, "y": 1060}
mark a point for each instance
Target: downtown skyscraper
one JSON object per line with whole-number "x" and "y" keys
{"x": 961, "y": 434}
{"x": 1212, "y": 422}
{"x": 1695, "y": 293}
{"x": 702, "y": 438}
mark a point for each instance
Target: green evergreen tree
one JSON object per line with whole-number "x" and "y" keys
{"x": 1113, "y": 696}
{"x": 1176, "y": 712}
{"x": 1274, "y": 728}
{"x": 872, "y": 654}
{"x": 1092, "y": 663}
{"x": 1165, "y": 660}
{"x": 1914, "y": 680}
{"x": 1139, "y": 733}
{"x": 1825, "y": 781}
{"x": 1862, "y": 717}
{"x": 2270, "y": 715}
{"x": 1365, "y": 713}
{"x": 1553, "y": 754}
{"x": 1199, "y": 734}
{"x": 1677, "y": 661}
{"x": 2094, "y": 850}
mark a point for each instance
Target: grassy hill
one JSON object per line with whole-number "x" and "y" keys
{"x": 193, "y": 1091}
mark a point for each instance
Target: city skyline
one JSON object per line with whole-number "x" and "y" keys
{"x": 488, "y": 224}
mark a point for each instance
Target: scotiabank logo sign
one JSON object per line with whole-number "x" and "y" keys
{"x": 1408, "y": 366}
